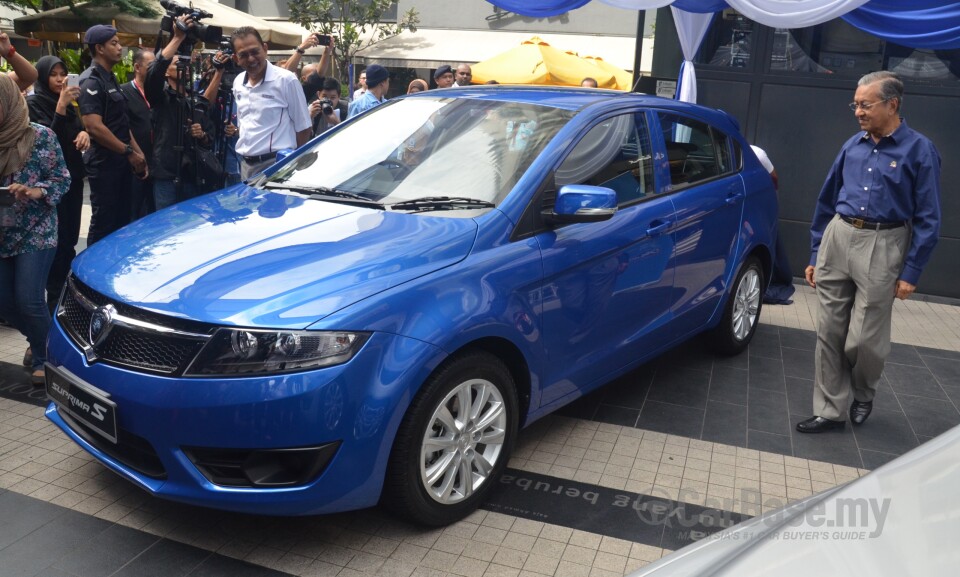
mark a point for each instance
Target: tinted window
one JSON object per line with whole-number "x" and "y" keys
{"x": 691, "y": 150}
{"x": 727, "y": 162}
{"x": 614, "y": 154}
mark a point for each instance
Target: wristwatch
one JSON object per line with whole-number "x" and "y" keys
{"x": 128, "y": 150}
{"x": 301, "y": 51}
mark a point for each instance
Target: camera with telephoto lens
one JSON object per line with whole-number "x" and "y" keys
{"x": 198, "y": 32}
{"x": 326, "y": 106}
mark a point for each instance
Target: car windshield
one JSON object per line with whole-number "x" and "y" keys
{"x": 447, "y": 151}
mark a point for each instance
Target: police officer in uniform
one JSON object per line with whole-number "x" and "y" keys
{"x": 114, "y": 154}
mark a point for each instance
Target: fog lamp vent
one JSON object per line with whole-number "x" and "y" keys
{"x": 286, "y": 467}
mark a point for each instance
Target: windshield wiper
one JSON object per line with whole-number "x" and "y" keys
{"x": 441, "y": 203}
{"x": 324, "y": 192}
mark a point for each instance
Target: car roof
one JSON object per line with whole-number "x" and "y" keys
{"x": 575, "y": 98}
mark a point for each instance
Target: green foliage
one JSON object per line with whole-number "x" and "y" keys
{"x": 73, "y": 59}
{"x": 124, "y": 68}
{"x": 355, "y": 23}
{"x": 75, "y": 63}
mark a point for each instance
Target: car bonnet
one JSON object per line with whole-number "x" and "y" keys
{"x": 249, "y": 258}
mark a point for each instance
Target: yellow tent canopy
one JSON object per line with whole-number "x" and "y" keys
{"x": 622, "y": 78}
{"x": 536, "y": 62}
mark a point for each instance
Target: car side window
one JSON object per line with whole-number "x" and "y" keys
{"x": 727, "y": 163}
{"x": 615, "y": 154}
{"x": 691, "y": 150}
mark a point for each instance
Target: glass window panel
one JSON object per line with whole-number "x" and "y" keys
{"x": 729, "y": 41}
{"x": 838, "y": 48}
{"x": 616, "y": 154}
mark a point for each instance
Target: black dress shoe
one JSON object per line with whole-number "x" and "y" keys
{"x": 819, "y": 425}
{"x": 860, "y": 411}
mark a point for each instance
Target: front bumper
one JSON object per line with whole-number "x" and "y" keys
{"x": 355, "y": 408}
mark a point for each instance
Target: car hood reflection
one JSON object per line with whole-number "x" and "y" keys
{"x": 278, "y": 261}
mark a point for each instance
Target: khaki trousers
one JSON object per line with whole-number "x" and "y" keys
{"x": 856, "y": 275}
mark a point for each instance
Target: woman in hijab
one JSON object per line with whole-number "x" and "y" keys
{"x": 417, "y": 85}
{"x": 52, "y": 105}
{"x": 34, "y": 176}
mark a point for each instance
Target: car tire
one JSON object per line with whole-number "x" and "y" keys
{"x": 742, "y": 311}
{"x": 446, "y": 460}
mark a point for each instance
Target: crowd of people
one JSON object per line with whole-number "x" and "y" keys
{"x": 179, "y": 128}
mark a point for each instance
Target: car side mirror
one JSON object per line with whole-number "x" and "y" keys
{"x": 582, "y": 203}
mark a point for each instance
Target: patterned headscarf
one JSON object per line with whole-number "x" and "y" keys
{"x": 16, "y": 134}
{"x": 421, "y": 84}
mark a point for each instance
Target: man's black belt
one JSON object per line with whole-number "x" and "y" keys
{"x": 261, "y": 158}
{"x": 860, "y": 223}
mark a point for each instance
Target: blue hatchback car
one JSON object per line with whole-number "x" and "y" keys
{"x": 375, "y": 317}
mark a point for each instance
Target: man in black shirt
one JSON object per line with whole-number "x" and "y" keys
{"x": 325, "y": 117}
{"x": 176, "y": 133}
{"x": 138, "y": 113}
{"x": 114, "y": 153}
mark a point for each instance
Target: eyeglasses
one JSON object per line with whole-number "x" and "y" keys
{"x": 865, "y": 105}
{"x": 253, "y": 52}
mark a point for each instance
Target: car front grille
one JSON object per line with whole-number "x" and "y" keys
{"x": 133, "y": 338}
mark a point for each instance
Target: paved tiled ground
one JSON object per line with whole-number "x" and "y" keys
{"x": 688, "y": 427}
{"x": 754, "y": 400}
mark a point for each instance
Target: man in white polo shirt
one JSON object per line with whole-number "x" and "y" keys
{"x": 272, "y": 112}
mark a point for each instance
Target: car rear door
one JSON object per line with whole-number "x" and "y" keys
{"x": 707, "y": 192}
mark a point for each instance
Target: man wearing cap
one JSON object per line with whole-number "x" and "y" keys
{"x": 114, "y": 153}
{"x": 378, "y": 83}
{"x": 443, "y": 76}
{"x": 272, "y": 111}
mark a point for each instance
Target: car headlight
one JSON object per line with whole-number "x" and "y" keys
{"x": 248, "y": 352}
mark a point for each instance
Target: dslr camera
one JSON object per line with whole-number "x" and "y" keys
{"x": 198, "y": 32}
{"x": 326, "y": 107}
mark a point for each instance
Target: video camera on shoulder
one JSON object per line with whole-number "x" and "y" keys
{"x": 198, "y": 32}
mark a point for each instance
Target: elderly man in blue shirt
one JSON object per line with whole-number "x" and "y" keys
{"x": 378, "y": 83}
{"x": 876, "y": 223}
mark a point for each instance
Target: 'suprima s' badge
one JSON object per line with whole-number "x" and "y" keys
{"x": 893, "y": 164}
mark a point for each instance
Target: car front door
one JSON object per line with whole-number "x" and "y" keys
{"x": 606, "y": 284}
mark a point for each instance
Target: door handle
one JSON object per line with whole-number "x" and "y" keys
{"x": 657, "y": 227}
{"x": 734, "y": 198}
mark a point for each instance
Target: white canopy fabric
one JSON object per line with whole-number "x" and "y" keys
{"x": 691, "y": 28}
{"x": 63, "y": 25}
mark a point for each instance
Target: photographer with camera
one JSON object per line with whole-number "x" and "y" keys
{"x": 219, "y": 93}
{"x": 271, "y": 108}
{"x": 316, "y": 39}
{"x": 180, "y": 124}
{"x": 327, "y": 111}
{"x": 114, "y": 153}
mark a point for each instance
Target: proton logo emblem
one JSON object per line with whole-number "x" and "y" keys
{"x": 101, "y": 321}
